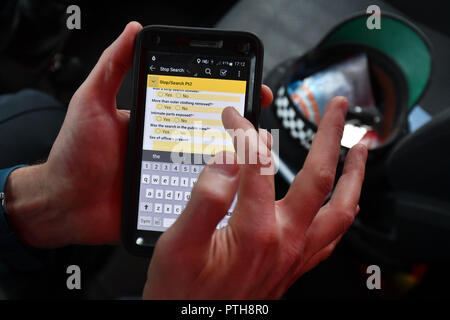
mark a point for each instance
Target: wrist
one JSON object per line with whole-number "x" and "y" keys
{"x": 28, "y": 207}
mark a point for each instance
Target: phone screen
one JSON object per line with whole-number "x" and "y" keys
{"x": 184, "y": 99}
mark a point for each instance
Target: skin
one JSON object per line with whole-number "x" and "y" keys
{"x": 75, "y": 198}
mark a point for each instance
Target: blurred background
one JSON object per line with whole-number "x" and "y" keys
{"x": 38, "y": 51}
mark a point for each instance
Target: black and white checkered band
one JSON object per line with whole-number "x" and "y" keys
{"x": 298, "y": 128}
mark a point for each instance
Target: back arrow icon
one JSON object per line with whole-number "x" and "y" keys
{"x": 152, "y": 68}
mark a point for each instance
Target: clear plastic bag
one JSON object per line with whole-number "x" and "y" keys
{"x": 349, "y": 78}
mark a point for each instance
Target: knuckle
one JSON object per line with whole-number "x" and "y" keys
{"x": 210, "y": 196}
{"x": 337, "y": 129}
{"x": 327, "y": 252}
{"x": 105, "y": 56}
{"x": 76, "y": 97}
{"x": 330, "y": 127}
{"x": 324, "y": 180}
{"x": 82, "y": 97}
{"x": 346, "y": 217}
{"x": 266, "y": 239}
{"x": 112, "y": 64}
{"x": 106, "y": 53}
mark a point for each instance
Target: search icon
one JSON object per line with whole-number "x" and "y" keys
{"x": 208, "y": 71}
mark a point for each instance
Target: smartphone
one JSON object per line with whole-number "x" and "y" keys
{"x": 182, "y": 80}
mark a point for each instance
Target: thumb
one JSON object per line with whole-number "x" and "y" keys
{"x": 105, "y": 79}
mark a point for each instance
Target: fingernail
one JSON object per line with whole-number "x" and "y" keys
{"x": 233, "y": 109}
{"x": 231, "y": 112}
{"x": 343, "y": 104}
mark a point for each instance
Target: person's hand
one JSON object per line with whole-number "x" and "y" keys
{"x": 76, "y": 196}
{"x": 267, "y": 244}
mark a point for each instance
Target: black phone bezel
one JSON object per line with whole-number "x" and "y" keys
{"x": 144, "y": 42}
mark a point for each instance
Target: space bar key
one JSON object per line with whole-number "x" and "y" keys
{"x": 168, "y": 222}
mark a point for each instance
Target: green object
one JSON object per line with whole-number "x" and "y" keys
{"x": 397, "y": 39}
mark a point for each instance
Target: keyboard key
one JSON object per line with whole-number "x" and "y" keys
{"x": 155, "y": 179}
{"x": 195, "y": 169}
{"x": 157, "y": 221}
{"x": 171, "y": 187}
{"x": 149, "y": 193}
{"x": 159, "y": 194}
{"x": 177, "y": 209}
{"x": 168, "y": 222}
{"x": 174, "y": 181}
{"x": 146, "y": 178}
{"x": 158, "y": 208}
{"x": 165, "y": 180}
{"x": 167, "y": 208}
{"x": 169, "y": 194}
{"x": 178, "y": 195}
{"x": 146, "y": 165}
{"x": 146, "y": 207}
{"x": 184, "y": 182}
{"x": 145, "y": 221}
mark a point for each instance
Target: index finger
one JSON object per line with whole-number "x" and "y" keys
{"x": 256, "y": 189}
